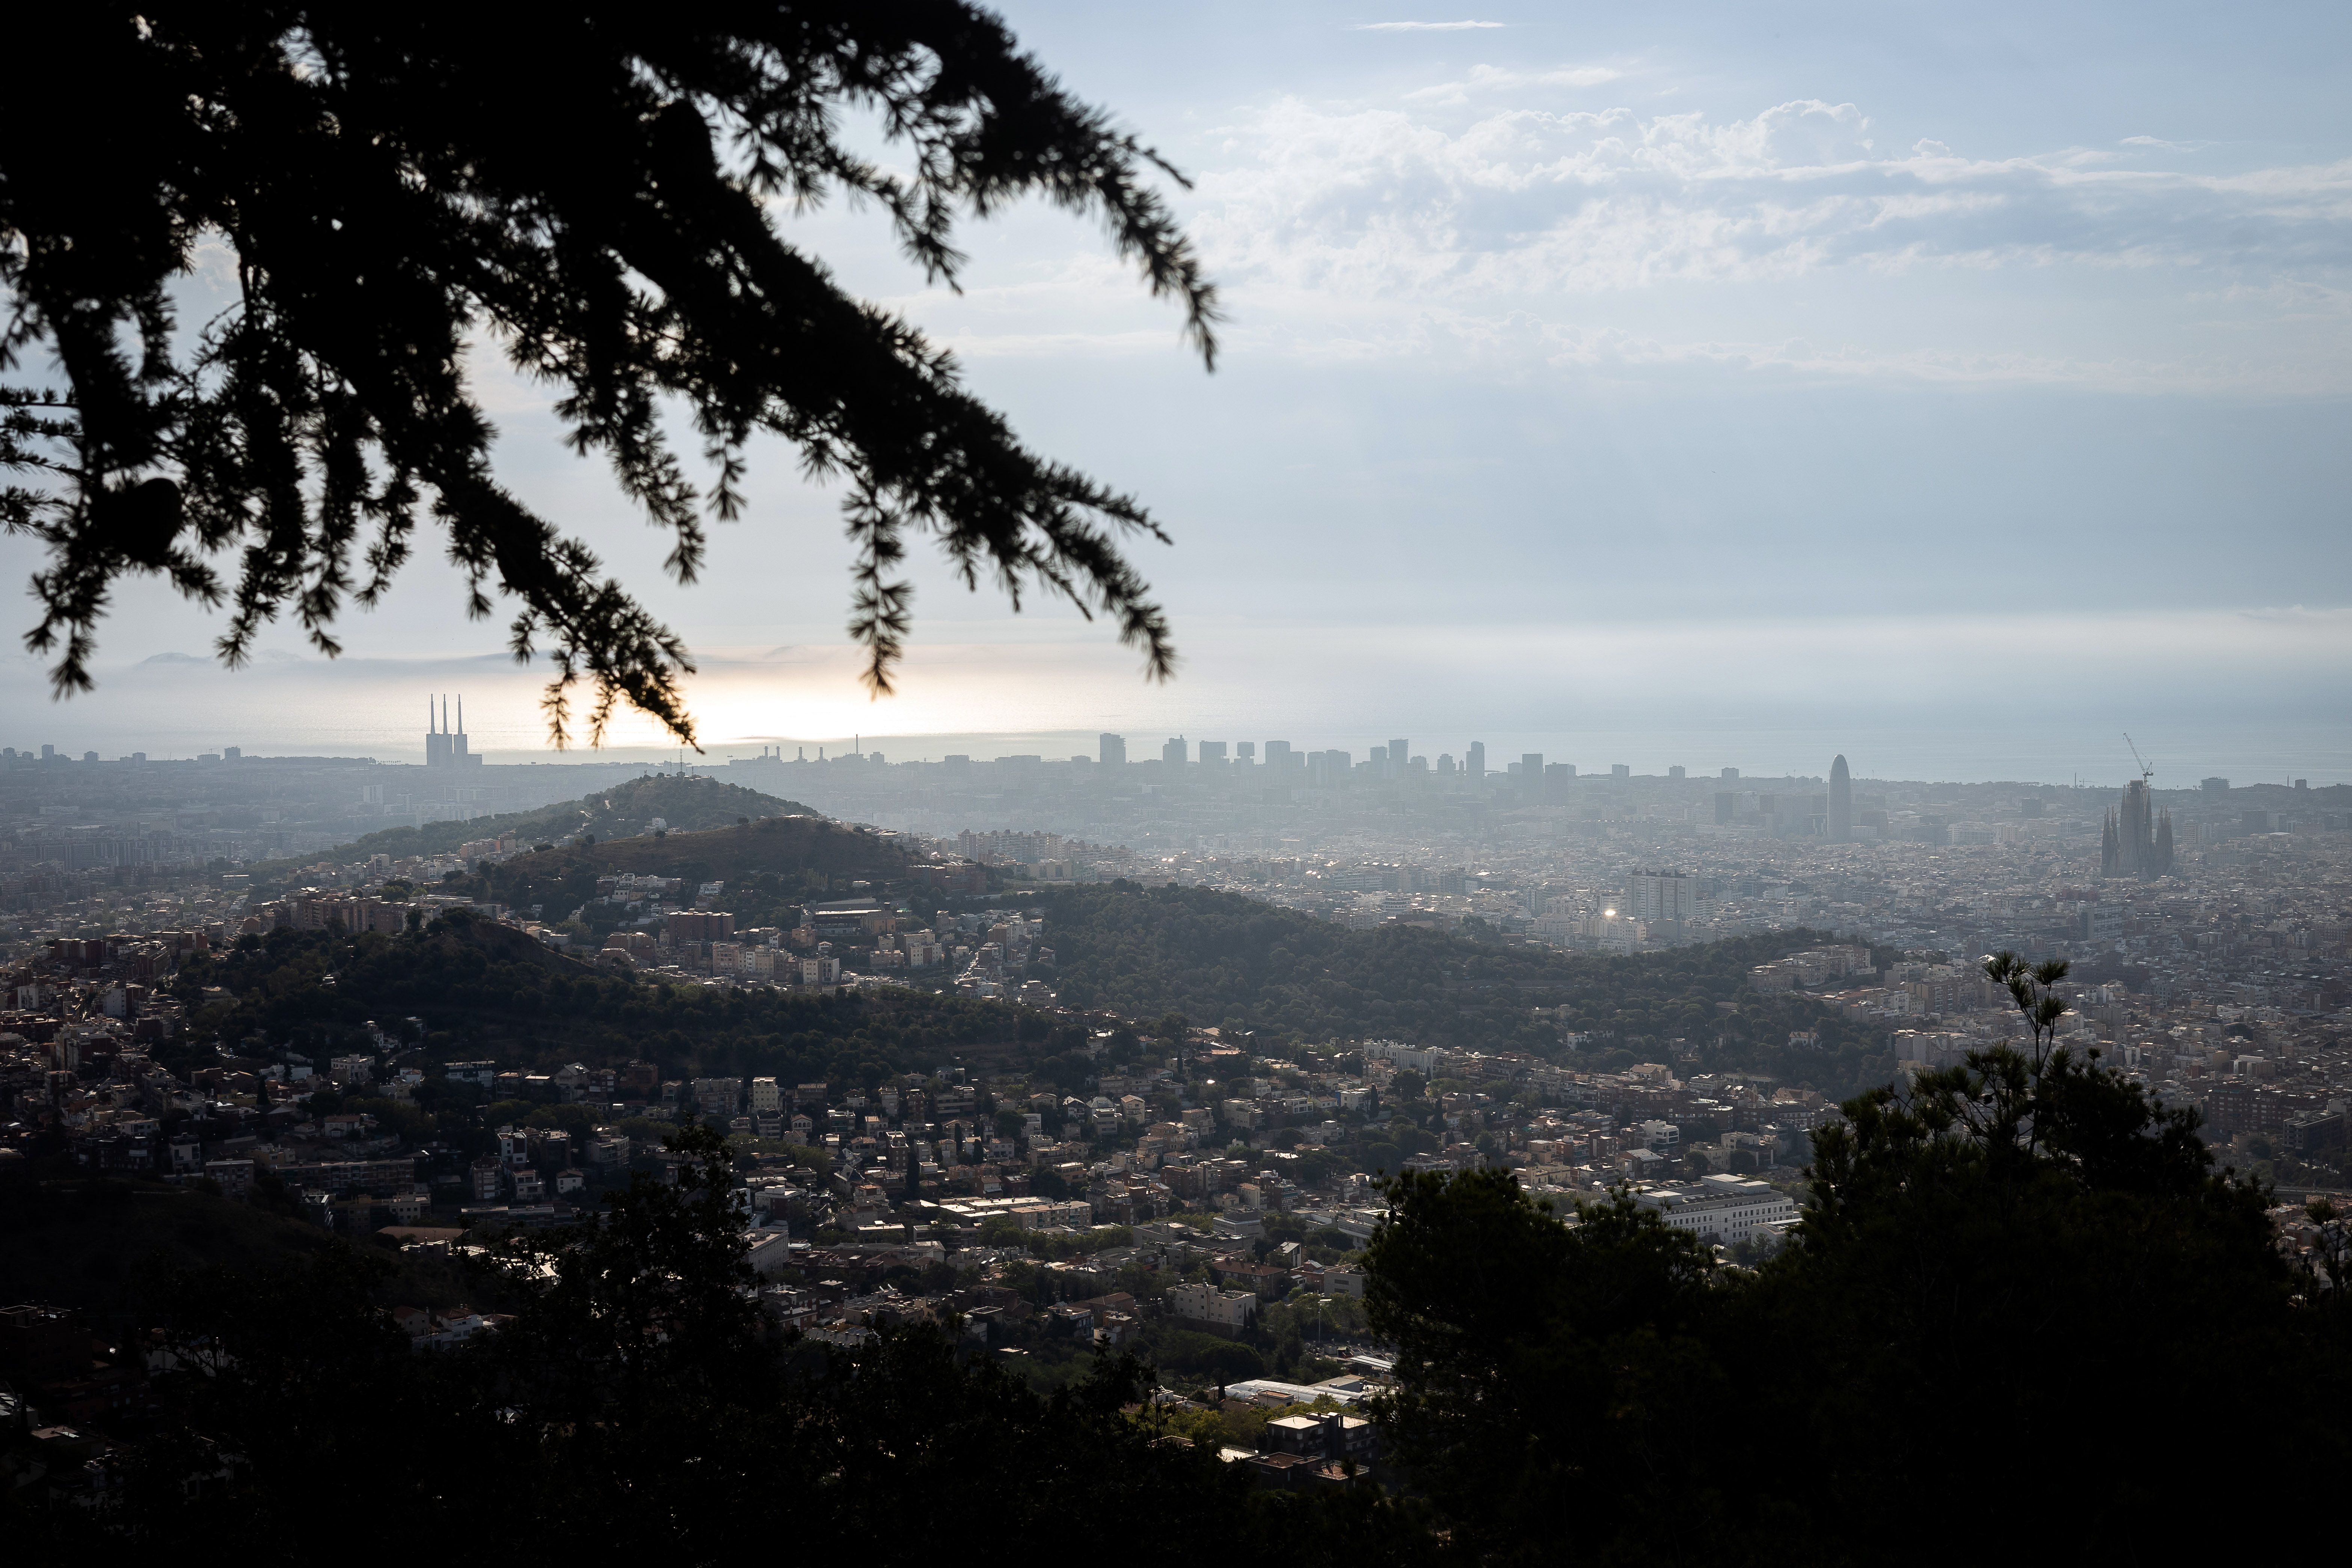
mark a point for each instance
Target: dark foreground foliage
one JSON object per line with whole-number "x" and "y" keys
{"x": 639, "y": 1407}
{"x": 2024, "y": 1318}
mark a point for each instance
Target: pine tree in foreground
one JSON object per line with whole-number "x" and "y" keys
{"x": 587, "y": 190}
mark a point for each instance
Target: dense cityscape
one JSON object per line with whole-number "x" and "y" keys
{"x": 2215, "y": 974}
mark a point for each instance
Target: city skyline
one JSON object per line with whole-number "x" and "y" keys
{"x": 1789, "y": 756}
{"x": 289, "y": 705}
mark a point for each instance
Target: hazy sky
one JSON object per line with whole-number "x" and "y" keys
{"x": 1588, "y": 367}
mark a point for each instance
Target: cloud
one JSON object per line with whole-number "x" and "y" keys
{"x": 1493, "y": 78}
{"x": 2159, "y": 142}
{"x": 1422, "y": 27}
{"x": 1527, "y": 203}
{"x": 1487, "y": 222}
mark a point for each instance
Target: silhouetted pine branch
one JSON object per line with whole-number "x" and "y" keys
{"x": 586, "y": 188}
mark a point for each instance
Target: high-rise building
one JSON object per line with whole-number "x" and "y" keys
{"x": 1840, "y": 812}
{"x": 1173, "y": 753}
{"x": 1655, "y": 896}
{"x": 1531, "y": 774}
{"x": 1675, "y": 771}
{"x": 1473, "y": 761}
{"x": 1245, "y": 753}
{"x": 1621, "y": 770}
{"x": 1212, "y": 754}
{"x": 1400, "y": 755}
{"x": 1110, "y": 750}
{"x": 1278, "y": 754}
{"x": 1731, "y": 773}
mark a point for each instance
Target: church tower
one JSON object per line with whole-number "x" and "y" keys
{"x": 2136, "y": 832}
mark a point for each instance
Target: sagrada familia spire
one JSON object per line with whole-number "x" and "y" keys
{"x": 2137, "y": 841}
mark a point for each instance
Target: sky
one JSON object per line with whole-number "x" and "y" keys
{"x": 1587, "y": 370}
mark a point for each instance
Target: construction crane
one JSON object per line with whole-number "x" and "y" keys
{"x": 2145, "y": 772}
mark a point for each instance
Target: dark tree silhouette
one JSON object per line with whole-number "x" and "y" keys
{"x": 638, "y": 1405}
{"x": 2014, "y": 1277}
{"x": 586, "y": 188}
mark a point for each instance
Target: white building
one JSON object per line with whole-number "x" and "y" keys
{"x": 1207, "y": 1304}
{"x": 1724, "y": 1208}
{"x": 1415, "y": 1058}
{"x": 769, "y": 1252}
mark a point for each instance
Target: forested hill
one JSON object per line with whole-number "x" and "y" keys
{"x": 625, "y": 810}
{"x": 1221, "y": 959}
{"x": 482, "y": 989}
{"x": 771, "y": 868}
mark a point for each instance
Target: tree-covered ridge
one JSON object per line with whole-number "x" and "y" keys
{"x": 1205, "y": 956}
{"x": 483, "y": 989}
{"x": 772, "y": 869}
{"x": 684, "y": 803}
{"x": 1219, "y": 958}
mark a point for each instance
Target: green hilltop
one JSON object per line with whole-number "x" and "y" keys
{"x": 480, "y": 988}
{"x": 1223, "y": 959}
{"x": 625, "y": 810}
{"x": 771, "y": 866}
